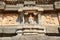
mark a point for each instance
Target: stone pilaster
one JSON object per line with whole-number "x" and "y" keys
{"x": 39, "y": 19}
{"x": 23, "y": 19}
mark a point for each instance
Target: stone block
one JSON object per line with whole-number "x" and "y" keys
{"x": 52, "y": 29}
{"x": 19, "y": 32}
{"x": 0, "y": 38}
{"x": 17, "y": 37}
{"x": 9, "y": 30}
{"x": 10, "y": 19}
{"x": 6, "y": 38}
{"x": 1, "y": 30}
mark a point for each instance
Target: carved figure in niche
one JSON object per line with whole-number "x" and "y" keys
{"x": 31, "y": 20}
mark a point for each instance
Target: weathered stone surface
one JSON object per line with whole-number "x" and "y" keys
{"x": 17, "y": 37}
{"x": 12, "y": 7}
{"x": 10, "y": 0}
{"x": 50, "y": 20}
{"x": 30, "y": 2}
{"x": 30, "y": 37}
{"x": 10, "y": 19}
{"x": 46, "y": 7}
{"x": 57, "y": 5}
{"x": 53, "y": 38}
{"x": 1, "y": 30}
{"x": 9, "y": 30}
{"x": 0, "y": 38}
{"x": 52, "y": 29}
{"x": 6, "y": 38}
{"x": 2, "y": 5}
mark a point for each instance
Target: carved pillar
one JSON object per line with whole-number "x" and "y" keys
{"x": 39, "y": 18}
{"x": 23, "y": 19}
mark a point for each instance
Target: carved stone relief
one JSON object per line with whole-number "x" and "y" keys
{"x": 10, "y": 19}
{"x": 30, "y": 18}
{"x": 50, "y": 19}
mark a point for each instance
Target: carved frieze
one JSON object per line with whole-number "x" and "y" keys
{"x": 10, "y": 19}
{"x": 50, "y": 20}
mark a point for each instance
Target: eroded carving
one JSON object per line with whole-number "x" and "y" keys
{"x": 31, "y": 20}
{"x": 50, "y": 19}
{"x": 10, "y": 19}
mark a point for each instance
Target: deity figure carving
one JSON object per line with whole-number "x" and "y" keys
{"x": 31, "y": 20}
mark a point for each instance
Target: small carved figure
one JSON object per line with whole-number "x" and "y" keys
{"x": 31, "y": 20}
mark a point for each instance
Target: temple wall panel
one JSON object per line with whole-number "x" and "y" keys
{"x": 50, "y": 20}
{"x": 9, "y": 19}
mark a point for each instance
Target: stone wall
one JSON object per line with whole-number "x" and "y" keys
{"x": 50, "y": 19}
{"x": 9, "y": 19}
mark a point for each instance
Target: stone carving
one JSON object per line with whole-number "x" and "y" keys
{"x": 10, "y": 19}
{"x": 31, "y": 20}
{"x": 50, "y": 19}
